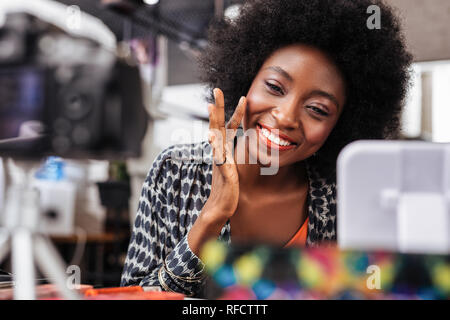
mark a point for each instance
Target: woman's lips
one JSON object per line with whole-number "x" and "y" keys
{"x": 271, "y": 144}
{"x": 279, "y": 134}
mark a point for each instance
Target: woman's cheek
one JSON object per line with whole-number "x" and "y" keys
{"x": 256, "y": 103}
{"x": 316, "y": 133}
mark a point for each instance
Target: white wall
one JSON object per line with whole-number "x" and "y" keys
{"x": 411, "y": 121}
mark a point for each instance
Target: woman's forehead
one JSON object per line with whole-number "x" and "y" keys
{"x": 299, "y": 57}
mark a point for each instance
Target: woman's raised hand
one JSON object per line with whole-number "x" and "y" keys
{"x": 224, "y": 194}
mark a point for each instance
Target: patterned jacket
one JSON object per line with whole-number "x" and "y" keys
{"x": 172, "y": 197}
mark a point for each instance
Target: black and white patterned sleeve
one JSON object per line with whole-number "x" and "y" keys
{"x": 158, "y": 252}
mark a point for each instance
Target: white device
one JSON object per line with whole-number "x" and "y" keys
{"x": 394, "y": 195}
{"x": 57, "y": 206}
{"x": 2, "y": 186}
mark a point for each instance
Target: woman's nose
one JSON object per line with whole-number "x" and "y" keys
{"x": 286, "y": 117}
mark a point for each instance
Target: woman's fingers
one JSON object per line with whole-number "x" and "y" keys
{"x": 236, "y": 118}
{"x": 219, "y": 151}
{"x": 214, "y": 136}
{"x": 220, "y": 107}
{"x": 238, "y": 114}
{"x": 216, "y": 128}
{"x": 221, "y": 135}
{"x": 220, "y": 115}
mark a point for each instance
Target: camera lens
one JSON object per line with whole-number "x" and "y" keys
{"x": 76, "y": 106}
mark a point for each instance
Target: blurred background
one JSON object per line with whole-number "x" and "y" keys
{"x": 90, "y": 222}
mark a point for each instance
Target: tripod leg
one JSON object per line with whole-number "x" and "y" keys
{"x": 22, "y": 264}
{"x": 52, "y": 266}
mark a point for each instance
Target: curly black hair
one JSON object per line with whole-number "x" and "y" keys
{"x": 374, "y": 62}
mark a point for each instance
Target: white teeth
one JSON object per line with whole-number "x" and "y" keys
{"x": 273, "y": 138}
{"x": 277, "y": 140}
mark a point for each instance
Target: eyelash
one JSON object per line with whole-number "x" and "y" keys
{"x": 277, "y": 89}
{"x": 273, "y": 87}
{"x": 319, "y": 111}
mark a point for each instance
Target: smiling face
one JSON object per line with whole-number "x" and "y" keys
{"x": 300, "y": 92}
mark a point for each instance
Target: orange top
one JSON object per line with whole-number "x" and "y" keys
{"x": 299, "y": 239}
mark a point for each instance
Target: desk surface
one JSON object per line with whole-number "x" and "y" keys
{"x": 101, "y": 237}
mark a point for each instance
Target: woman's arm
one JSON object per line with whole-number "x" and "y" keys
{"x": 224, "y": 197}
{"x": 181, "y": 270}
{"x": 158, "y": 253}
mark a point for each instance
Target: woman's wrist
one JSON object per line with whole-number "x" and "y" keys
{"x": 206, "y": 227}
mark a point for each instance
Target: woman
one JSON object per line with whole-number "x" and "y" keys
{"x": 308, "y": 77}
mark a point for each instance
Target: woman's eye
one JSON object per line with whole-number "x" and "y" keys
{"x": 274, "y": 87}
{"x": 318, "y": 111}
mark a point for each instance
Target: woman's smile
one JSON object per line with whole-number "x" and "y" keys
{"x": 271, "y": 138}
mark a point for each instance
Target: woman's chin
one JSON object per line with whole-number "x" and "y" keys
{"x": 263, "y": 159}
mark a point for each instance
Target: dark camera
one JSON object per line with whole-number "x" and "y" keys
{"x": 65, "y": 95}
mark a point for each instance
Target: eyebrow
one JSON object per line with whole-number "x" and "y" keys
{"x": 321, "y": 93}
{"x": 324, "y": 94}
{"x": 281, "y": 71}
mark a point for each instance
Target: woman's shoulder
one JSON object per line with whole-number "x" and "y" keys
{"x": 189, "y": 152}
{"x": 173, "y": 158}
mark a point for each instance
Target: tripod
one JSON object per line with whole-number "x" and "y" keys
{"x": 21, "y": 239}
